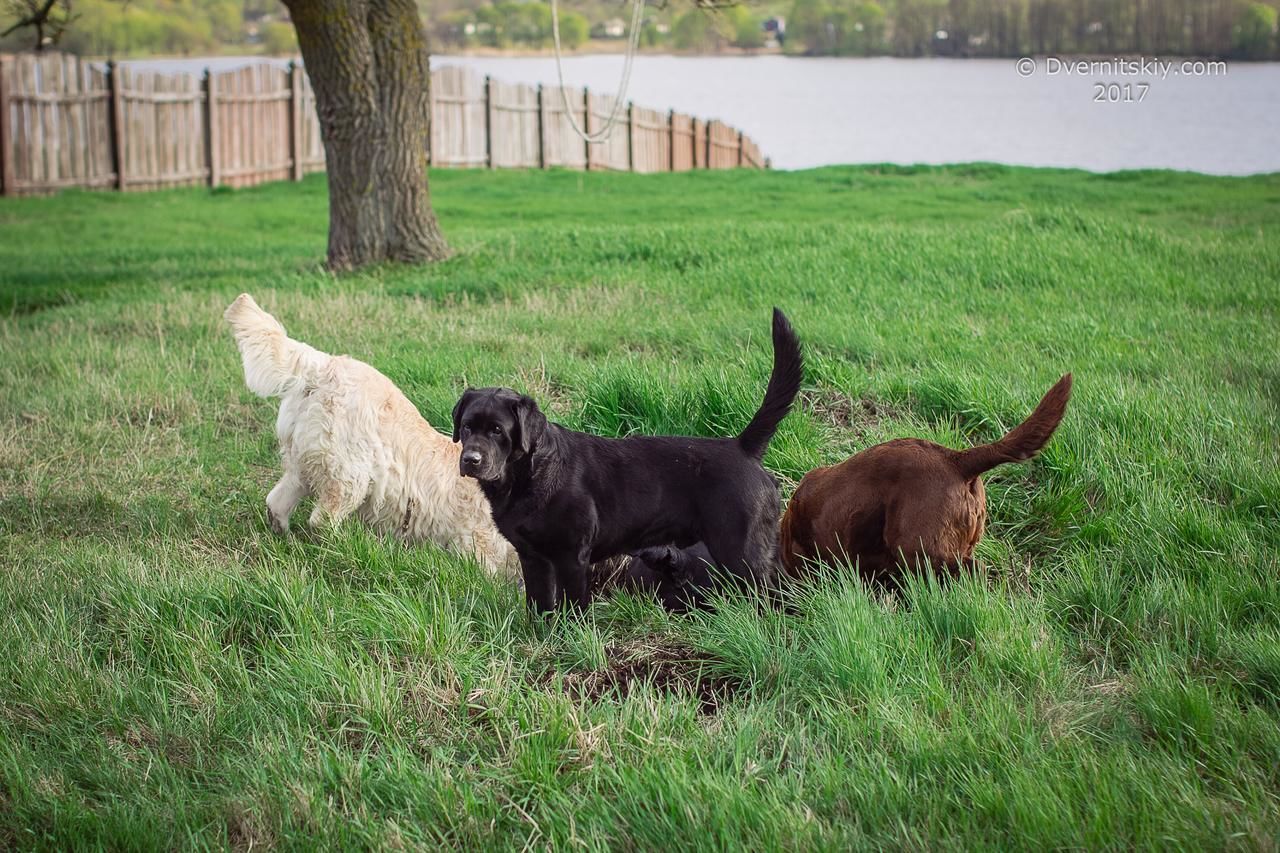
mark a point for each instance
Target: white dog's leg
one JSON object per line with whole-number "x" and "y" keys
{"x": 334, "y": 503}
{"x": 282, "y": 500}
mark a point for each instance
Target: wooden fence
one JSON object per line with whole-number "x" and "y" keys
{"x": 67, "y": 122}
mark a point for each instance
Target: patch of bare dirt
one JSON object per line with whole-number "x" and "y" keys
{"x": 671, "y": 669}
{"x": 858, "y": 415}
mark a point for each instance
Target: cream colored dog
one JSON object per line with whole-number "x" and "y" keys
{"x": 353, "y": 441}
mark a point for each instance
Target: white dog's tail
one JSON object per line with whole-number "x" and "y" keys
{"x": 273, "y": 362}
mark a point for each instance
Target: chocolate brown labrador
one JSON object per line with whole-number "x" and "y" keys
{"x": 907, "y": 502}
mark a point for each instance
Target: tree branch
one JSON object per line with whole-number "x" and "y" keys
{"x": 37, "y": 17}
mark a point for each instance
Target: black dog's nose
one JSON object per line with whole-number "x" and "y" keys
{"x": 471, "y": 457}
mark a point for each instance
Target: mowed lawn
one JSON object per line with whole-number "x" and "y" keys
{"x": 172, "y": 674}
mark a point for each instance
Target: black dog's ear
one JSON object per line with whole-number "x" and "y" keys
{"x": 458, "y": 409}
{"x": 532, "y": 423}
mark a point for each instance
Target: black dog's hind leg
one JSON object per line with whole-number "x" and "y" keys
{"x": 751, "y": 558}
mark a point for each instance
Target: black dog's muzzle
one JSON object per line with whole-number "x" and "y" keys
{"x": 472, "y": 464}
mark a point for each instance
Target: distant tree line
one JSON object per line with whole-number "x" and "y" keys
{"x": 1241, "y": 29}
{"x": 1237, "y": 29}
{"x": 172, "y": 27}
{"x": 509, "y": 23}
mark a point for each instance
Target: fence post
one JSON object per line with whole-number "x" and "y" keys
{"x": 488, "y": 121}
{"x": 431, "y": 118}
{"x": 116, "y": 89}
{"x": 739, "y": 149}
{"x": 295, "y": 118}
{"x": 586, "y": 129}
{"x": 711, "y": 125}
{"x": 631, "y": 136}
{"x": 115, "y": 122}
{"x": 671, "y": 140}
{"x": 211, "y": 125}
{"x": 6, "y": 137}
{"x": 542, "y": 131}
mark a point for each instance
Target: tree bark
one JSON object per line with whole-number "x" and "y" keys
{"x": 368, "y": 65}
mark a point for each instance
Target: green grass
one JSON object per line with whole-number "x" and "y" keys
{"x": 172, "y": 674}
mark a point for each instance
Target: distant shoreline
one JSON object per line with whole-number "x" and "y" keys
{"x": 603, "y": 49}
{"x": 613, "y": 49}
{"x": 617, "y": 50}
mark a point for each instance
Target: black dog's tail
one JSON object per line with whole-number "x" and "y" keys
{"x": 784, "y": 385}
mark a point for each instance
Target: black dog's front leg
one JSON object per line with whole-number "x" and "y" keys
{"x": 573, "y": 573}
{"x": 539, "y": 583}
{"x": 573, "y": 589}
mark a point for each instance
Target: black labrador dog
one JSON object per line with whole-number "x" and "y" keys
{"x": 568, "y": 499}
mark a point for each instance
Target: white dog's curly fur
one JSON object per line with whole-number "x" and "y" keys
{"x": 349, "y": 438}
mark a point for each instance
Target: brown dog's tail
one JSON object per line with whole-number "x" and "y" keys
{"x": 1023, "y": 441}
{"x": 784, "y": 385}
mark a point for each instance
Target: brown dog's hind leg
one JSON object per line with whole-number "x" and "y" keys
{"x": 917, "y": 540}
{"x": 940, "y": 529}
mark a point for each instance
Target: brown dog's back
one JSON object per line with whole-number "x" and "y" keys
{"x": 907, "y": 500}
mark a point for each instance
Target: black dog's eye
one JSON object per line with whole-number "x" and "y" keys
{"x": 496, "y": 430}
{"x": 466, "y": 430}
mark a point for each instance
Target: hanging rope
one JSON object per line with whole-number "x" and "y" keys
{"x": 633, "y": 41}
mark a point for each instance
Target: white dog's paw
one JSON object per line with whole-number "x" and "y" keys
{"x": 279, "y": 525}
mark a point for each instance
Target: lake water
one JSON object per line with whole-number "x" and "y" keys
{"x": 814, "y": 112}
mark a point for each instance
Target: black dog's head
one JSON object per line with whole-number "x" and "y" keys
{"x": 679, "y": 577}
{"x": 496, "y": 426}
{"x": 677, "y": 564}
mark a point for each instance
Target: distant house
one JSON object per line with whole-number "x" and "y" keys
{"x": 775, "y": 31}
{"x": 614, "y": 28}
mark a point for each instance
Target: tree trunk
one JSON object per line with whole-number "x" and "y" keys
{"x": 367, "y": 61}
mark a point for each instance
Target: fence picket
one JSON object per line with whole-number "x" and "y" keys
{"x": 6, "y": 133}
